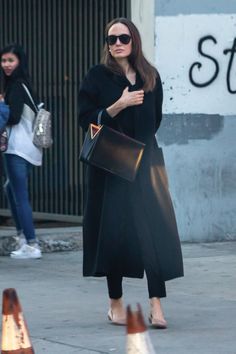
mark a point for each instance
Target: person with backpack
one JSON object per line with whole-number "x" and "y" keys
{"x": 21, "y": 154}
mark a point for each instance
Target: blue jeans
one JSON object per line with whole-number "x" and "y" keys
{"x": 16, "y": 188}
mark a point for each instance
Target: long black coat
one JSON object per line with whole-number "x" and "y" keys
{"x": 128, "y": 226}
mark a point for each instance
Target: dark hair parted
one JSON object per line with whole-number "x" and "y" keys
{"x": 21, "y": 72}
{"x": 137, "y": 60}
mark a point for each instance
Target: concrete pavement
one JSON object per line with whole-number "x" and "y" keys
{"x": 66, "y": 313}
{"x": 51, "y": 239}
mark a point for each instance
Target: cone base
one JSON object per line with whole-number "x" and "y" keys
{"x": 139, "y": 343}
{"x": 19, "y": 351}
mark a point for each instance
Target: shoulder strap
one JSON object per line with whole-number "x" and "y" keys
{"x": 99, "y": 117}
{"x": 28, "y": 93}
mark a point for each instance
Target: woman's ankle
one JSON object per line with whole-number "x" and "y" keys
{"x": 155, "y": 301}
{"x": 33, "y": 243}
{"x": 116, "y": 303}
{"x": 156, "y": 308}
{"x": 117, "y": 310}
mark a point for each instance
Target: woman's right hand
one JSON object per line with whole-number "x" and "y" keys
{"x": 127, "y": 99}
{"x": 1, "y": 98}
{"x": 131, "y": 98}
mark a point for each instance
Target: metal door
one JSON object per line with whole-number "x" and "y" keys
{"x": 63, "y": 39}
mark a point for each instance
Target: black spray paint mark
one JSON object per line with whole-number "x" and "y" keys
{"x": 232, "y": 52}
{"x": 199, "y": 65}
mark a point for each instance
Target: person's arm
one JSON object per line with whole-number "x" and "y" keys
{"x": 4, "y": 114}
{"x": 90, "y": 109}
{"x": 88, "y": 102}
{"x": 127, "y": 99}
{"x": 15, "y": 101}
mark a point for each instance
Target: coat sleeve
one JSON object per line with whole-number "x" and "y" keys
{"x": 15, "y": 101}
{"x": 158, "y": 101}
{"x": 89, "y": 101}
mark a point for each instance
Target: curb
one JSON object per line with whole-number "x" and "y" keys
{"x": 50, "y": 240}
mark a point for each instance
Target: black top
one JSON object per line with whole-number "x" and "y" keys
{"x": 16, "y": 97}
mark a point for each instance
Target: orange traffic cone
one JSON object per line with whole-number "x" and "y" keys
{"x": 138, "y": 340}
{"x": 15, "y": 337}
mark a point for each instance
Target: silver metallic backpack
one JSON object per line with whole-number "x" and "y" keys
{"x": 42, "y": 127}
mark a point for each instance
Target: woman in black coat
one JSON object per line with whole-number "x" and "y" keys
{"x": 129, "y": 227}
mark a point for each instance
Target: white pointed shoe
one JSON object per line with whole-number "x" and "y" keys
{"x": 27, "y": 252}
{"x": 114, "y": 320}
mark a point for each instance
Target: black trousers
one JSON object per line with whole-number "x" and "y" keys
{"x": 135, "y": 221}
{"x": 156, "y": 287}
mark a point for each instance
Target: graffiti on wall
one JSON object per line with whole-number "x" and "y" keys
{"x": 196, "y": 57}
{"x": 214, "y": 61}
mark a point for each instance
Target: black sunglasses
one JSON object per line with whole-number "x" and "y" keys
{"x": 123, "y": 38}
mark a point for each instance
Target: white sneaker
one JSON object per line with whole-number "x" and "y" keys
{"x": 19, "y": 241}
{"x": 26, "y": 252}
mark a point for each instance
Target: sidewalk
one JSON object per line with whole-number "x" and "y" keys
{"x": 66, "y": 313}
{"x": 51, "y": 239}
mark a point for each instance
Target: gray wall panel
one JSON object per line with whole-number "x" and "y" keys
{"x": 200, "y": 159}
{"x": 185, "y": 7}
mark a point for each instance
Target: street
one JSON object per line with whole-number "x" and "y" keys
{"x": 67, "y": 313}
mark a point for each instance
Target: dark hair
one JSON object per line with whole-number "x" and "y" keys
{"x": 136, "y": 59}
{"x": 21, "y": 72}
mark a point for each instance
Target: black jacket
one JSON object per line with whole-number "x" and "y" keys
{"x": 128, "y": 227}
{"x": 16, "y": 97}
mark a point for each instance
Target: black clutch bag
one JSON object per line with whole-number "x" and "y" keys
{"x": 112, "y": 151}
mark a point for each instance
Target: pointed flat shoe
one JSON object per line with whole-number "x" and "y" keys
{"x": 156, "y": 323}
{"x": 113, "y": 320}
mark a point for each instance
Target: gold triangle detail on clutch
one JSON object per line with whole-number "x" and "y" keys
{"x": 94, "y": 129}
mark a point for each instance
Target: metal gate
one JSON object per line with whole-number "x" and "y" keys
{"x": 63, "y": 39}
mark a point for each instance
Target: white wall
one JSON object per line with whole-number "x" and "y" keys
{"x": 176, "y": 50}
{"x": 142, "y": 14}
